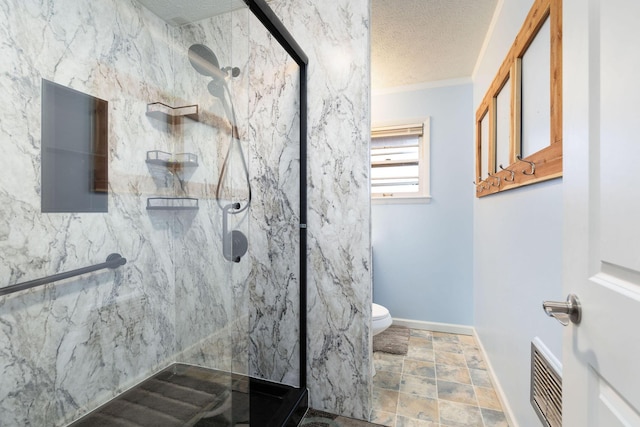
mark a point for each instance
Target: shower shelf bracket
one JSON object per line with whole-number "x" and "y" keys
{"x": 159, "y": 110}
{"x": 171, "y": 161}
{"x": 172, "y": 203}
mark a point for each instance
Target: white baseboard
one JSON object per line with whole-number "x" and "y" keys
{"x": 496, "y": 385}
{"x": 435, "y": 326}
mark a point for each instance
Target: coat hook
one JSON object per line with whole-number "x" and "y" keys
{"x": 513, "y": 173}
{"x": 479, "y": 184}
{"x": 497, "y": 178}
{"x": 533, "y": 166}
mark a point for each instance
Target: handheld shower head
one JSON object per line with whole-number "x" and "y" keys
{"x": 205, "y": 62}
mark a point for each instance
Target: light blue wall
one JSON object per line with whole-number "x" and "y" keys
{"x": 423, "y": 256}
{"x": 517, "y": 253}
{"x": 518, "y": 264}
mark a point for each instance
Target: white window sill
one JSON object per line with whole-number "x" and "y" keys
{"x": 401, "y": 200}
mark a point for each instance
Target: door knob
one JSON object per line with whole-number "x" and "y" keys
{"x": 564, "y": 312}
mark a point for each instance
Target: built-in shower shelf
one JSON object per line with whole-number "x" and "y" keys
{"x": 172, "y": 161}
{"x": 172, "y": 204}
{"x": 160, "y": 111}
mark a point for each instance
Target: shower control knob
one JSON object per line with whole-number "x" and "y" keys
{"x": 564, "y": 312}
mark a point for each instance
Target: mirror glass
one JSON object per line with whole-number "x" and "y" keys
{"x": 503, "y": 124}
{"x": 484, "y": 147}
{"x": 536, "y": 93}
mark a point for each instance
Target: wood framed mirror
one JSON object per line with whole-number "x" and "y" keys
{"x": 519, "y": 121}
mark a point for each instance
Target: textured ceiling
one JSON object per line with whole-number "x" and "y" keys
{"x": 412, "y": 41}
{"x": 420, "y": 41}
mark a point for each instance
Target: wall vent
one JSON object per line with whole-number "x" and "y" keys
{"x": 546, "y": 385}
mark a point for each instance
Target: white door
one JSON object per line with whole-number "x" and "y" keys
{"x": 601, "y": 355}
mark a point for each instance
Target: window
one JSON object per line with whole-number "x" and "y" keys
{"x": 399, "y": 163}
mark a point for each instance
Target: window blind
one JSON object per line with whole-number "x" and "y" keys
{"x": 395, "y": 164}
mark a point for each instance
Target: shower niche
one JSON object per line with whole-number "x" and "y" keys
{"x": 74, "y": 150}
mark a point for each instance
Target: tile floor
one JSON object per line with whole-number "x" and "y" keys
{"x": 441, "y": 382}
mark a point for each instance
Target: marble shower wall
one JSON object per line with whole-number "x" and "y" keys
{"x": 69, "y": 347}
{"x": 335, "y": 36}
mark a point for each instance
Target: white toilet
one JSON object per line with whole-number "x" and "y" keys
{"x": 381, "y": 318}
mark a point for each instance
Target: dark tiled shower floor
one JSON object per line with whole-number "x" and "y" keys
{"x": 184, "y": 395}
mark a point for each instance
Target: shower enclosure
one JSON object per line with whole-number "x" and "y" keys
{"x": 152, "y": 214}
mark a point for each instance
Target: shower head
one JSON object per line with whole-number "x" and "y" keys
{"x": 205, "y": 62}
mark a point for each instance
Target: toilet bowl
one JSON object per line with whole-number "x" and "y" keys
{"x": 381, "y": 318}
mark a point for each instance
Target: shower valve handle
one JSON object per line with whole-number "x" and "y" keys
{"x": 234, "y": 243}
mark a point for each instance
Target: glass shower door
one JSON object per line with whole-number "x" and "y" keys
{"x": 169, "y": 136}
